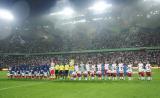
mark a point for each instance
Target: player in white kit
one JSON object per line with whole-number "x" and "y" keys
{"x": 114, "y": 71}
{"x": 141, "y": 71}
{"x": 85, "y": 74}
{"x": 88, "y": 68}
{"x": 99, "y": 67}
{"x": 74, "y": 75}
{"x": 82, "y": 67}
{"x": 99, "y": 73}
{"x": 79, "y": 73}
{"x": 121, "y": 71}
{"x": 129, "y": 71}
{"x": 92, "y": 72}
{"x": 106, "y": 69}
{"x": 148, "y": 71}
{"x": 76, "y": 68}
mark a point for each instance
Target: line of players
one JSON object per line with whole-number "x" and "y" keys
{"x": 29, "y": 72}
{"x": 81, "y": 71}
{"x": 101, "y": 71}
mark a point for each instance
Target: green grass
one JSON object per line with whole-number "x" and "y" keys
{"x": 80, "y": 89}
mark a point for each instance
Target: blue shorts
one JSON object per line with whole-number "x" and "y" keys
{"x": 61, "y": 72}
{"x": 66, "y": 72}
{"x": 70, "y": 72}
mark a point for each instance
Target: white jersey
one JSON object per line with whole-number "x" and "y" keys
{"x": 140, "y": 67}
{"x": 114, "y": 67}
{"x": 99, "y": 67}
{"x": 106, "y": 66}
{"x": 129, "y": 69}
{"x": 120, "y": 66}
{"x": 148, "y": 67}
{"x": 76, "y": 68}
{"x": 87, "y": 67}
{"x": 82, "y": 67}
{"x": 93, "y": 68}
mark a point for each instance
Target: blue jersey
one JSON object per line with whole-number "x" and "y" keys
{"x": 45, "y": 69}
{"x": 125, "y": 69}
{"x": 32, "y": 71}
{"x": 117, "y": 71}
{"x": 102, "y": 67}
{"x": 41, "y": 72}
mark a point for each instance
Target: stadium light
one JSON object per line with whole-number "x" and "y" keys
{"x": 100, "y": 7}
{"x": 6, "y": 15}
{"x": 67, "y": 11}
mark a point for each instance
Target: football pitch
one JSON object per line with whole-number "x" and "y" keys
{"x": 80, "y": 89}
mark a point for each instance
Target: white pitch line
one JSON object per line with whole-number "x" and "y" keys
{"x": 18, "y": 86}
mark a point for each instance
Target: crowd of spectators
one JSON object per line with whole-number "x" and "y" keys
{"x": 126, "y": 57}
{"x": 41, "y": 39}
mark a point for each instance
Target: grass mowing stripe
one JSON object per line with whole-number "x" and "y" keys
{"x": 81, "y": 89}
{"x": 19, "y": 86}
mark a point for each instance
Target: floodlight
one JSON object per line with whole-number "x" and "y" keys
{"x": 67, "y": 11}
{"x": 100, "y": 7}
{"x": 6, "y": 15}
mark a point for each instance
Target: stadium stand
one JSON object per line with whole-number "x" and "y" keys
{"x": 125, "y": 55}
